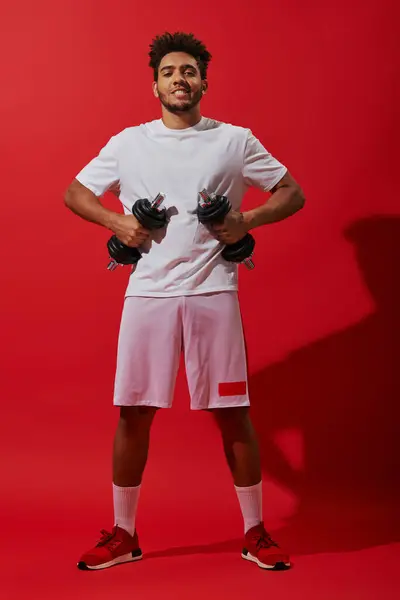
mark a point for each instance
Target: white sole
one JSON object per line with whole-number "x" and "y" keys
{"x": 117, "y": 561}
{"x": 277, "y": 567}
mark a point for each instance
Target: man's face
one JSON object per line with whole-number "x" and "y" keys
{"x": 179, "y": 86}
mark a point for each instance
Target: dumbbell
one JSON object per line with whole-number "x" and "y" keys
{"x": 150, "y": 216}
{"x": 211, "y": 210}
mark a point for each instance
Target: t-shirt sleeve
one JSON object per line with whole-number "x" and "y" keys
{"x": 260, "y": 168}
{"x": 102, "y": 171}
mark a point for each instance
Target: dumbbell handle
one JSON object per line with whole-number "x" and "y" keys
{"x": 138, "y": 213}
{"x": 158, "y": 200}
{"x": 206, "y": 200}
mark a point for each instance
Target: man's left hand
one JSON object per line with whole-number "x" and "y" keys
{"x": 233, "y": 229}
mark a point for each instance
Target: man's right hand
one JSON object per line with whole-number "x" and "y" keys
{"x": 129, "y": 231}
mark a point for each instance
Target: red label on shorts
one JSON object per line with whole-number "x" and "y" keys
{"x": 234, "y": 388}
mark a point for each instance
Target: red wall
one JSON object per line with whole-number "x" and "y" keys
{"x": 314, "y": 81}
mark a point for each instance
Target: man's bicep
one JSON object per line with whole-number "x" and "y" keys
{"x": 76, "y": 187}
{"x": 286, "y": 181}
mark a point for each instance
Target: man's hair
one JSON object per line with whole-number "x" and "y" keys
{"x": 178, "y": 42}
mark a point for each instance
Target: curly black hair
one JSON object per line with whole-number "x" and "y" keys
{"x": 178, "y": 42}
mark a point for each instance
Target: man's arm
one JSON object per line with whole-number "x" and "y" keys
{"x": 286, "y": 199}
{"x": 84, "y": 203}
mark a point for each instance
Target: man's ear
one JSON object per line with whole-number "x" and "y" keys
{"x": 205, "y": 86}
{"x": 155, "y": 90}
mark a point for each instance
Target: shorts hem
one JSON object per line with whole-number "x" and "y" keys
{"x": 152, "y": 404}
{"x": 221, "y": 405}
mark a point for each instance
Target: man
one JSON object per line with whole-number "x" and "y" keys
{"x": 182, "y": 294}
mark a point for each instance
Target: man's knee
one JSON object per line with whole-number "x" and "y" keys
{"x": 137, "y": 416}
{"x": 233, "y": 421}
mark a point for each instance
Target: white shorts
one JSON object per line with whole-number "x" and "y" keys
{"x": 154, "y": 332}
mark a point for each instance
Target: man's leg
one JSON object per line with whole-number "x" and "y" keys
{"x": 242, "y": 454}
{"x": 240, "y": 444}
{"x": 241, "y": 451}
{"x": 216, "y": 368}
{"x": 149, "y": 348}
{"x": 131, "y": 446}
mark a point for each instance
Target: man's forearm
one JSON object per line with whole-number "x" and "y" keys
{"x": 283, "y": 203}
{"x": 86, "y": 205}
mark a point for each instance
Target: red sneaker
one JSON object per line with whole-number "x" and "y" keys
{"x": 260, "y": 548}
{"x": 112, "y": 549}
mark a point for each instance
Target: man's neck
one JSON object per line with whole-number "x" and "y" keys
{"x": 180, "y": 120}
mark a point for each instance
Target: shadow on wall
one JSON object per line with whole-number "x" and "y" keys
{"x": 342, "y": 395}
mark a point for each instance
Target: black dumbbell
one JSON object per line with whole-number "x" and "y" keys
{"x": 211, "y": 210}
{"x": 150, "y": 216}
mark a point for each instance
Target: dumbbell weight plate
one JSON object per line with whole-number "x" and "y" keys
{"x": 239, "y": 251}
{"x": 122, "y": 254}
{"x": 148, "y": 216}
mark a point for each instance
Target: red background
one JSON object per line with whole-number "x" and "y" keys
{"x": 316, "y": 83}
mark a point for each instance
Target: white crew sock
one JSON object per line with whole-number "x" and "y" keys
{"x": 250, "y": 500}
{"x": 125, "y": 506}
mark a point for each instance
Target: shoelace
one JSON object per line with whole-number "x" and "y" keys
{"x": 107, "y": 539}
{"x": 264, "y": 540}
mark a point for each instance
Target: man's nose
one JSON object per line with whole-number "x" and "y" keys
{"x": 179, "y": 80}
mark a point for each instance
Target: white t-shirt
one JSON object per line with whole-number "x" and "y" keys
{"x": 150, "y": 158}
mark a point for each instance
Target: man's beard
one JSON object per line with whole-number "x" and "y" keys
{"x": 183, "y": 106}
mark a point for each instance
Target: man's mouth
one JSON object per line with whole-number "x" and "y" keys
{"x": 180, "y": 93}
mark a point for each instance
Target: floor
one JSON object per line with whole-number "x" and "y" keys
{"x": 345, "y": 543}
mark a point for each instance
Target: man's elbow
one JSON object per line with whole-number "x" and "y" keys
{"x": 68, "y": 197}
{"x": 71, "y": 193}
{"x": 298, "y": 198}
